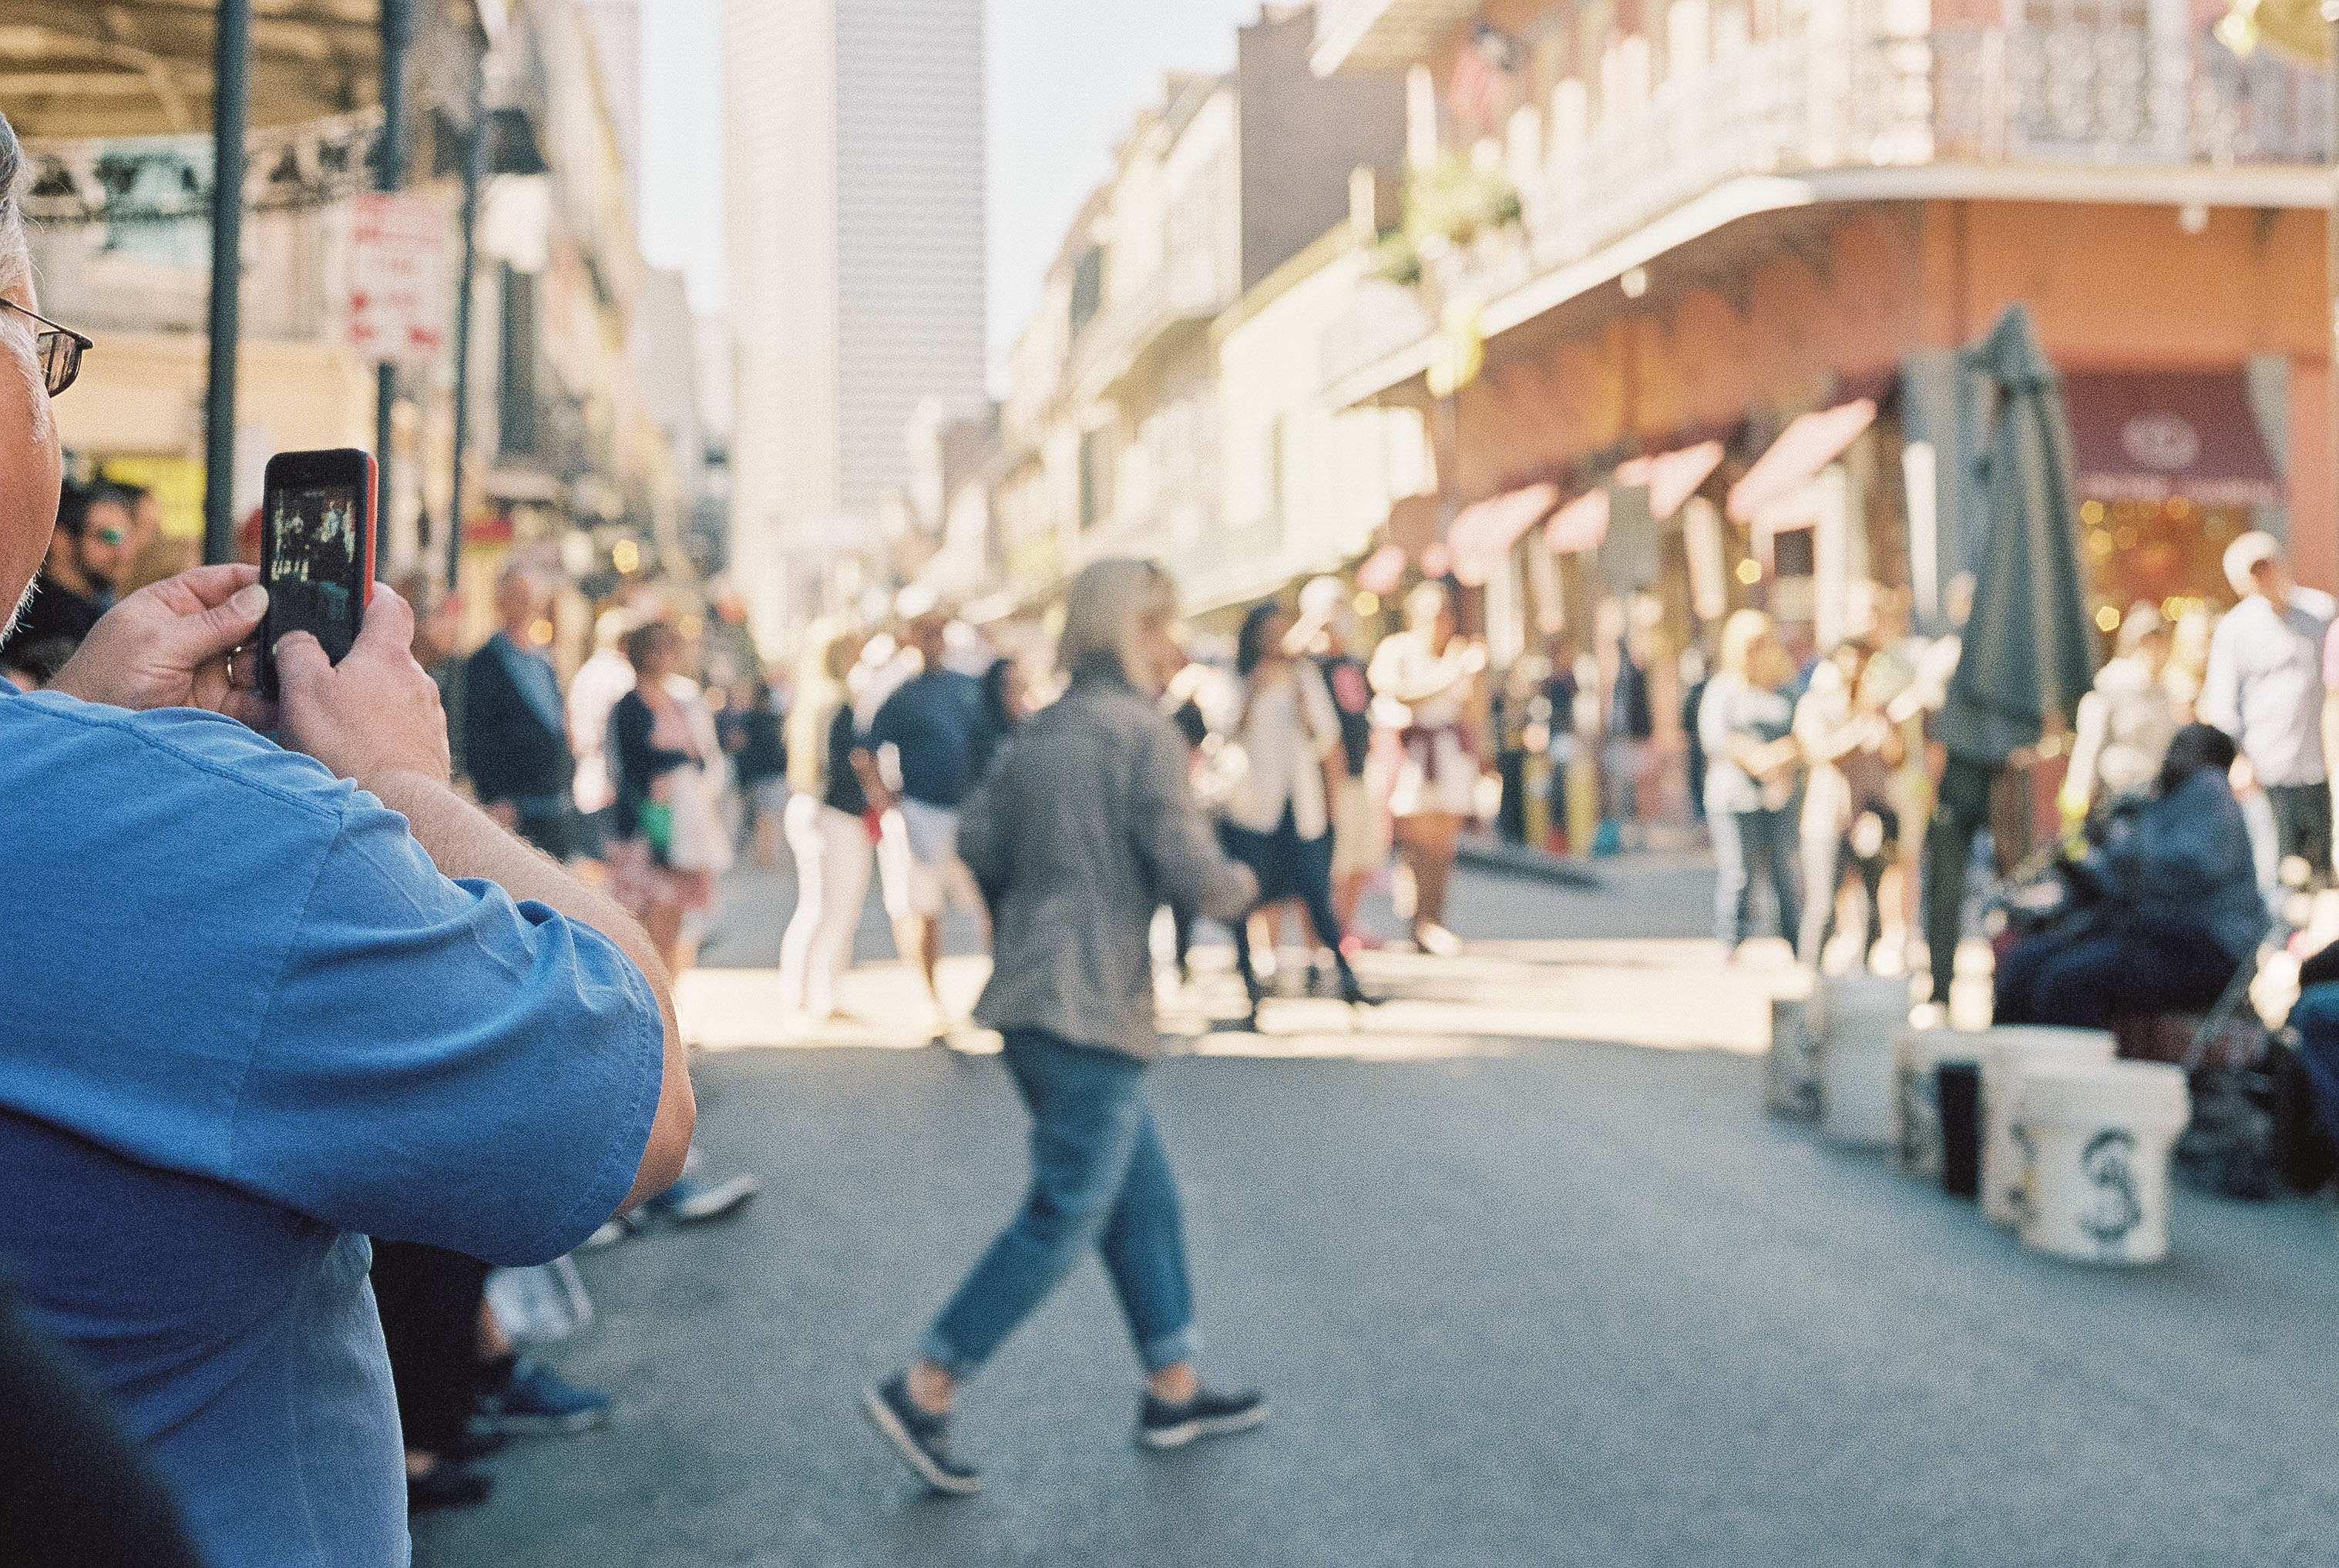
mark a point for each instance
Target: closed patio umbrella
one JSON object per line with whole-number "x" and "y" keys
{"x": 2029, "y": 644}
{"x": 2029, "y": 647}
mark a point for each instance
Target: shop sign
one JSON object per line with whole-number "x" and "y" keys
{"x": 2165, "y": 441}
{"x": 397, "y": 278}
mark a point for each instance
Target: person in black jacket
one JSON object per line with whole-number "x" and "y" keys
{"x": 515, "y": 737}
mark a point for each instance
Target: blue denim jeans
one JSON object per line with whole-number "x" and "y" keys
{"x": 2315, "y": 1017}
{"x": 1741, "y": 839}
{"x": 1099, "y": 1179}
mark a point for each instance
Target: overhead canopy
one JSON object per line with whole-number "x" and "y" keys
{"x": 1580, "y": 524}
{"x": 1484, "y": 533}
{"x": 75, "y": 69}
{"x": 2149, "y": 435}
{"x": 1802, "y": 451}
{"x": 1673, "y": 477}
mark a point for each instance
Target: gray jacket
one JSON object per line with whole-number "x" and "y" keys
{"x": 1082, "y": 830}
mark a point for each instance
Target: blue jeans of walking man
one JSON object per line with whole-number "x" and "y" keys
{"x": 1100, "y": 1179}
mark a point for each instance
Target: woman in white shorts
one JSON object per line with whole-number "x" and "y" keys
{"x": 1427, "y": 679}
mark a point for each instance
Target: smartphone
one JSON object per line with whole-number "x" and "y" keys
{"x": 316, "y": 550}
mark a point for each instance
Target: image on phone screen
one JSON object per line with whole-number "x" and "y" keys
{"x": 314, "y": 572}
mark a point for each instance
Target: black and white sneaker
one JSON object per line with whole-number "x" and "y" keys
{"x": 922, "y": 1436}
{"x": 1161, "y": 1425}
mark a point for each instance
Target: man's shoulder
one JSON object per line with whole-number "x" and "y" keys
{"x": 51, "y": 741}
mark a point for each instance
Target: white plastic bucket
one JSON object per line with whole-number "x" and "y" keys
{"x": 2099, "y": 1139}
{"x": 1916, "y": 1100}
{"x": 1790, "y": 1074}
{"x": 2009, "y": 1053}
{"x": 1860, "y": 1020}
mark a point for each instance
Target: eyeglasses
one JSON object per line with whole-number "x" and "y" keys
{"x": 60, "y": 349}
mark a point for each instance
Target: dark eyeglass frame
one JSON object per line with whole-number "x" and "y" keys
{"x": 60, "y": 347}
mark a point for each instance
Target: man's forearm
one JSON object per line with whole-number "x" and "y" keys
{"x": 463, "y": 841}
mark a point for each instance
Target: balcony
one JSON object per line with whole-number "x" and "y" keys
{"x": 1971, "y": 112}
{"x": 2075, "y": 97}
{"x": 1137, "y": 330}
{"x": 1382, "y": 35}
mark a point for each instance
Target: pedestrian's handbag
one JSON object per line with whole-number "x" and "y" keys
{"x": 658, "y": 827}
{"x": 698, "y": 842}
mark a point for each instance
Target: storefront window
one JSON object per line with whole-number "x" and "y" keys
{"x": 2166, "y": 553}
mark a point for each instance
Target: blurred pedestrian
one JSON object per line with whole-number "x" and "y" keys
{"x": 1752, "y": 769}
{"x": 759, "y": 760}
{"x": 1426, "y": 679}
{"x": 654, "y": 751}
{"x": 1005, "y": 705}
{"x": 1327, "y": 634}
{"x": 1283, "y": 747}
{"x": 2265, "y": 687}
{"x": 2126, "y": 721}
{"x": 1085, "y": 829}
{"x": 593, "y": 695}
{"x": 829, "y": 830}
{"x": 87, "y": 553}
{"x": 918, "y": 761}
{"x": 515, "y": 733}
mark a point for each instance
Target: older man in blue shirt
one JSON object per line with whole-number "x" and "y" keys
{"x": 264, "y": 999}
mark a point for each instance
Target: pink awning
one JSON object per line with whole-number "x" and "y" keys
{"x": 1806, "y": 445}
{"x": 1382, "y": 571}
{"x": 1580, "y": 524}
{"x": 1673, "y": 477}
{"x": 1483, "y": 534}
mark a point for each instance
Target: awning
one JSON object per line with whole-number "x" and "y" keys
{"x": 2149, "y": 435}
{"x": 1673, "y": 477}
{"x": 1580, "y": 524}
{"x": 1802, "y": 451}
{"x": 1483, "y": 534}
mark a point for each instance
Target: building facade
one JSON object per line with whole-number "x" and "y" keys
{"x": 854, "y": 140}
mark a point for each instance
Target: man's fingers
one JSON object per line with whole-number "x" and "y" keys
{"x": 299, "y": 659}
{"x": 208, "y": 635}
{"x": 213, "y": 586}
{"x": 389, "y": 625}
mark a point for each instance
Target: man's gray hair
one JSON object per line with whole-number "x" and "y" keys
{"x": 1109, "y": 608}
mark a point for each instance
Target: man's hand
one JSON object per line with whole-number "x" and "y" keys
{"x": 374, "y": 713}
{"x": 169, "y": 645}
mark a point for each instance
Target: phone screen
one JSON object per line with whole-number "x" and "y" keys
{"x": 315, "y": 566}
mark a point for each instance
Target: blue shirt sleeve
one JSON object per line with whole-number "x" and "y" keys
{"x": 440, "y": 1063}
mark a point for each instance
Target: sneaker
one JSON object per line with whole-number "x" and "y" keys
{"x": 535, "y": 1399}
{"x": 1161, "y": 1425}
{"x": 693, "y": 1202}
{"x": 921, "y": 1436}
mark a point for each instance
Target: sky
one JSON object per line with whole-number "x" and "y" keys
{"x": 1062, "y": 80}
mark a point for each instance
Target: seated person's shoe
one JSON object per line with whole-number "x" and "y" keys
{"x": 1161, "y": 1425}
{"x": 533, "y": 1399}
{"x": 922, "y": 1438}
{"x": 447, "y": 1484}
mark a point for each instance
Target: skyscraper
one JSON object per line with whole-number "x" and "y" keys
{"x": 853, "y": 132}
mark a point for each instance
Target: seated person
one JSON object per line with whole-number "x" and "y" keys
{"x": 2164, "y": 911}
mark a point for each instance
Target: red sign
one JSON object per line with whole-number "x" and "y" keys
{"x": 397, "y": 278}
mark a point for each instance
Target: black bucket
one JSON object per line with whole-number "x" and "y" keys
{"x": 1958, "y": 1087}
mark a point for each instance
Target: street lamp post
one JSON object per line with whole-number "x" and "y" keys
{"x": 397, "y": 35}
{"x": 230, "y": 66}
{"x": 475, "y": 163}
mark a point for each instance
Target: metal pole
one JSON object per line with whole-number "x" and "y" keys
{"x": 230, "y": 65}
{"x": 474, "y": 174}
{"x": 397, "y": 34}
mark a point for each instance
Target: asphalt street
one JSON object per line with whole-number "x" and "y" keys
{"x": 1520, "y": 1297}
